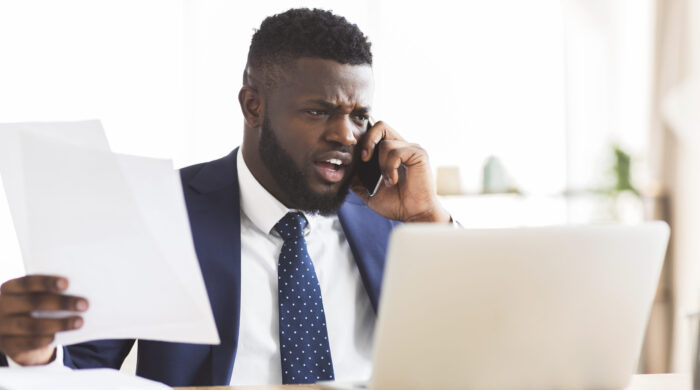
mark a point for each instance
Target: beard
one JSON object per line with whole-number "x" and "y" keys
{"x": 294, "y": 182}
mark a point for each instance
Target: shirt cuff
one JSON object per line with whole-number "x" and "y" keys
{"x": 56, "y": 362}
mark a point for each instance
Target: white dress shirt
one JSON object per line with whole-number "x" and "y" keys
{"x": 349, "y": 313}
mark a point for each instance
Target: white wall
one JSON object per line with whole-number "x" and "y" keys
{"x": 118, "y": 61}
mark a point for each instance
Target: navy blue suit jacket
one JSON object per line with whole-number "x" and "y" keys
{"x": 212, "y": 198}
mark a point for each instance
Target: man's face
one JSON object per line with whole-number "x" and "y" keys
{"x": 311, "y": 124}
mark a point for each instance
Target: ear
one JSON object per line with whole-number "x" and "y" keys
{"x": 251, "y": 106}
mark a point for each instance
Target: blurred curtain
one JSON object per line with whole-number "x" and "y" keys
{"x": 675, "y": 162}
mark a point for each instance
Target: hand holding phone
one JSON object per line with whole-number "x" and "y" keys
{"x": 403, "y": 188}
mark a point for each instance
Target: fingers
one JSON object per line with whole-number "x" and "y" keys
{"x": 393, "y": 154}
{"x": 26, "y": 303}
{"x": 27, "y": 337}
{"x": 380, "y": 131}
{"x": 34, "y": 284}
{"x": 24, "y": 325}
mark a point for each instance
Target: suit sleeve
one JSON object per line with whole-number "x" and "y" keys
{"x": 97, "y": 354}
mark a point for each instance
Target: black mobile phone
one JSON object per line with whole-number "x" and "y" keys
{"x": 369, "y": 172}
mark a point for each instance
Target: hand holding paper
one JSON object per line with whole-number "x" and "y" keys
{"x": 27, "y": 339}
{"x": 115, "y": 226}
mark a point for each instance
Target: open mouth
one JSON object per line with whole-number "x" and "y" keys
{"x": 333, "y": 164}
{"x": 331, "y": 169}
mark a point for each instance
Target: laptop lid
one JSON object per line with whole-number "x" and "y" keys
{"x": 528, "y": 308}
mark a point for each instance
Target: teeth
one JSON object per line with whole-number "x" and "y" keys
{"x": 334, "y": 161}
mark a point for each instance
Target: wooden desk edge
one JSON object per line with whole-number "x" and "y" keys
{"x": 639, "y": 382}
{"x": 272, "y": 387}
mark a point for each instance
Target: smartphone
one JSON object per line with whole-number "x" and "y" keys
{"x": 369, "y": 172}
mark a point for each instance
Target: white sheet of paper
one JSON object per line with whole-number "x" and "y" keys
{"x": 116, "y": 226}
{"x": 63, "y": 378}
{"x": 86, "y": 133}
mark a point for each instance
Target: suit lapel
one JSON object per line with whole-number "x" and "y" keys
{"x": 214, "y": 208}
{"x": 368, "y": 235}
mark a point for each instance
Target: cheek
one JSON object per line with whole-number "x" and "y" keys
{"x": 304, "y": 136}
{"x": 298, "y": 145}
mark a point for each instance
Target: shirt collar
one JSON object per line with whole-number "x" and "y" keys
{"x": 260, "y": 206}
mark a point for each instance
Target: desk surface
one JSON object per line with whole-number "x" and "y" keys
{"x": 639, "y": 382}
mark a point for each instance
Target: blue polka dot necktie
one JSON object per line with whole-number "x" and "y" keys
{"x": 304, "y": 347}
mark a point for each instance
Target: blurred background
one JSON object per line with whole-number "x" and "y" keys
{"x": 534, "y": 112}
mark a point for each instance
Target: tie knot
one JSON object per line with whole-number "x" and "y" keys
{"x": 291, "y": 226}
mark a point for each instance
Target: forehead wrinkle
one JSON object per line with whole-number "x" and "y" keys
{"x": 345, "y": 100}
{"x": 346, "y": 85}
{"x": 348, "y": 95}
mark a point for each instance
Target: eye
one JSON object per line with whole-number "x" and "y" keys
{"x": 361, "y": 118}
{"x": 316, "y": 113}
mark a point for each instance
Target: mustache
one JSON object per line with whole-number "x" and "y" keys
{"x": 347, "y": 150}
{"x": 338, "y": 148}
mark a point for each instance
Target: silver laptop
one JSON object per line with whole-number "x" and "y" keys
{"x": 526, "y": 308}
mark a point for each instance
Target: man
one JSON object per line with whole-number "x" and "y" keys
{"x": 272, "y": 220}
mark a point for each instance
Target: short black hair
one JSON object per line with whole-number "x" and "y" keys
{"x": 303, "y": 32}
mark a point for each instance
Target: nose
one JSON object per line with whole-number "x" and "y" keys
{"x": 343, "y": 131}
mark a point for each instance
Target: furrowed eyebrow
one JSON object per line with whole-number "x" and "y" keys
{"x": 330, "y": 106}
{"x": 325, "y": 104}
{"x": 362, "y": 110}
